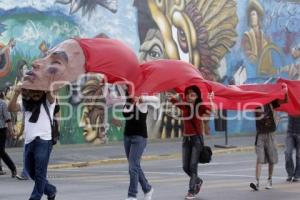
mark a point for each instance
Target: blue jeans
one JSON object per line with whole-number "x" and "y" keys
{"x": 134, "y": 148}
{"x": 292, "y": 142}
{"x": 37, "y": 154}
{"x": 24, "y": 172}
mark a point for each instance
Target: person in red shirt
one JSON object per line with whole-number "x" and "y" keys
{"x": 193, "y": 113}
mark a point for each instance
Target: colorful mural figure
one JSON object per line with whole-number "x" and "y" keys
{"x": 98, "y": 118}
{"x": 43, "y": 47}
{"x": 200, "y": 32}
{"x": 255, "y": 43}
{"x": 93, "y": 115}
{"x": 152, "y": 47}
{"x": 88, "y": 7}
{"x": 293, "y": 70}
{"x": 5, "y": 64}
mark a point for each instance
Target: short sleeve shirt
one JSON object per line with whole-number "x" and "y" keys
{"x": 4, "y": 114}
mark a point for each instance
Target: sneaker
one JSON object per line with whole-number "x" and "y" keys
{"x": 52, "y": 198}
{"x": 289, "y": 179}
{"x": 269, "y": 184}
{"x": 296, "y": 179}
{"x": 21, "y": 178}
{"x": 148, "y": 195}
{"x": 131, "y": 198}
{"x": 254, "y": 186}
{"x": 190, "y": 196}
{"x": 13, "y": 174}
{"x": 198, "y": 186}
{"x": 2, "y": 173}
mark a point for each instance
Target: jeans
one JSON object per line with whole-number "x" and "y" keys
{"x": 292, "y": 142}
{"x": 134, "y": 148}
{"x": 3, "y": 155}
{"x": 37, "y": 154}
{"x": 191, "y": 148}
{"x": 24, "y": 172}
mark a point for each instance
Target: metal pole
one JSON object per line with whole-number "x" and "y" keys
{"x": 226, "y": 136}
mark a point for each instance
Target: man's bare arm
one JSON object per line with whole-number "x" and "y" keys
{"x": 13, "y": 106}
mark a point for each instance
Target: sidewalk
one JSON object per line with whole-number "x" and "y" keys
{"x": 64, "y": 156}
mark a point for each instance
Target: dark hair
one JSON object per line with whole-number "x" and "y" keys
{"x": 194, "y": 89}
{"x": 197, "y": 91}
{"x": 129, "y": 100}
{"x": 1, "y": 95}
{"x": 102, "y": 35}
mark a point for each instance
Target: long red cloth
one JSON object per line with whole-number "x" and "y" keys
{"x": 245, "y": 97}
{"x": 119, "y": 63}
{"x": 163, "y": 75}
{"x": 110, "y": 57}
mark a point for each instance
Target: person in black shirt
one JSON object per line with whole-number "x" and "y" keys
{"x": 265, "y": 144}
{"x": 135, "y": 141}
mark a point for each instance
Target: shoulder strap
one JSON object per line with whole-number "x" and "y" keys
{"x": 47, "y": 111}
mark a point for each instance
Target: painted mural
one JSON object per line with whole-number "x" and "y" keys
{"x": 229, "y": 41}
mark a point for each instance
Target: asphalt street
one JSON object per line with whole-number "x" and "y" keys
{"x": 227, "y": 177}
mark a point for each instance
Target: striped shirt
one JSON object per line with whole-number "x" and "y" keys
{"x": 4, "y": 114}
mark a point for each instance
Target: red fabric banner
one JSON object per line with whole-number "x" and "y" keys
{"x": 115, "y": 60}
{"x": 112, "y": 58}
{"x": 163, "y": 75}
{"x": 245, "y": 97}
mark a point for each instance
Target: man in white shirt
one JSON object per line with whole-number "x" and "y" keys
{"x": 38, "y": 138}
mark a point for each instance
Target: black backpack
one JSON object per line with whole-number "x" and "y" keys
{"x": 205, "y": 155}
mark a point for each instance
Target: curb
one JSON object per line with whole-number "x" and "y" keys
{"x": 147, "y": 158}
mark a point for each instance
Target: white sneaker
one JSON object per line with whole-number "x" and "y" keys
{"x": 269, "y": 184}
{"x": 190, "y": 196}
{"x": 131, "y": 198}
{"x": 148, "y": 196}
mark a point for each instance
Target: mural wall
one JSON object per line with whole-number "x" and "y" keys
{"x": 229, "y": 41}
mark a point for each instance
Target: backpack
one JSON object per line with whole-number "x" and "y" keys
{"x": 205, "y": 155}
